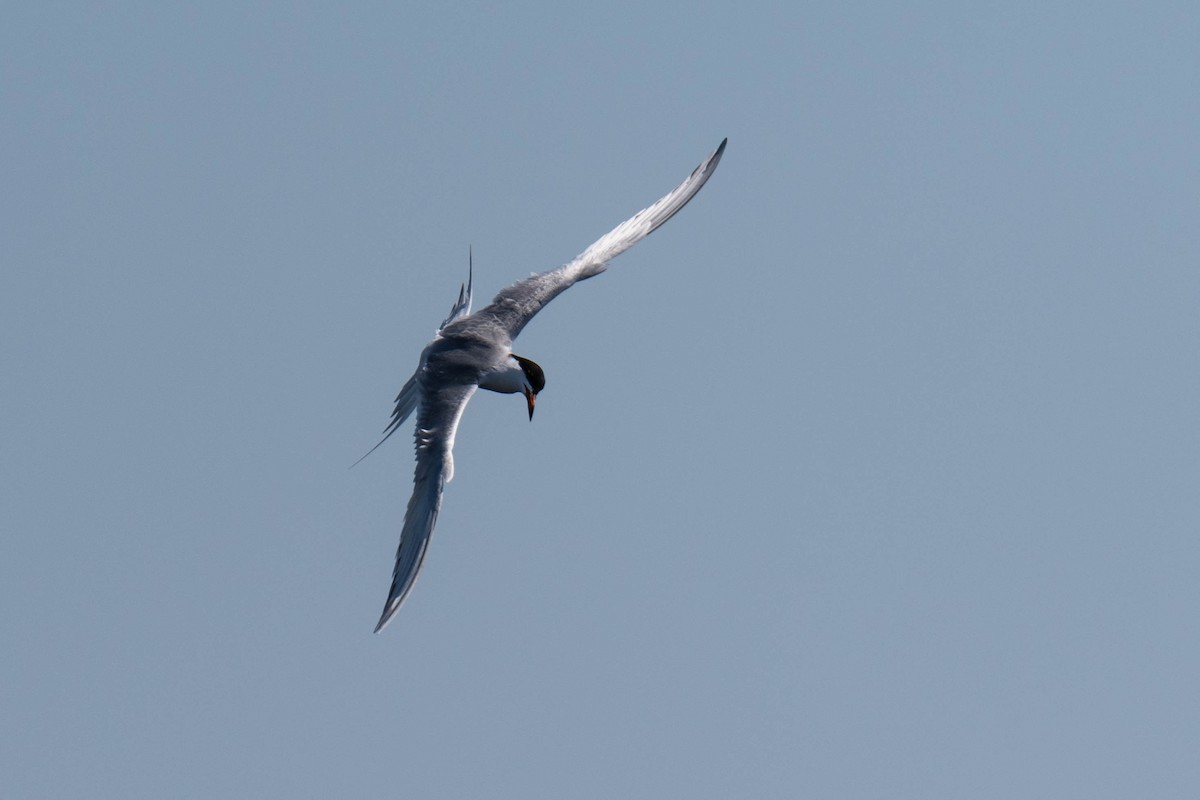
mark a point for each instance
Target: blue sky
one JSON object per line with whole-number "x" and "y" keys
{"x": 872, "y": 474}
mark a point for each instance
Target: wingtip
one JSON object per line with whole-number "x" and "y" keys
{"x": 389, "y": 611}
{"x": 709, "y": 164}
{"x": 720, "y": 151}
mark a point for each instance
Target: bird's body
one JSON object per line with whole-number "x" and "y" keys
{"x": 474, "y": 351}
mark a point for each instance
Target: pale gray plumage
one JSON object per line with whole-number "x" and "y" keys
{"x": 473, "y": 351}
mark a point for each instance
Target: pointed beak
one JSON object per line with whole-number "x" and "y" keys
{"x": 531, "y": 401}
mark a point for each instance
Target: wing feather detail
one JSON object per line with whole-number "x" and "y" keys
{"x": 513, "y": 307}
{"x": 437, "y": 423}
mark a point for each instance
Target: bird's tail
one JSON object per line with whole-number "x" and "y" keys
{"x": 406, "y": 402}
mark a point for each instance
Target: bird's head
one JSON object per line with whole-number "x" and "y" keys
{"x": 535, "y": 381}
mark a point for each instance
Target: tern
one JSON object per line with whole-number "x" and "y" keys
{"x": 474, "y": 351}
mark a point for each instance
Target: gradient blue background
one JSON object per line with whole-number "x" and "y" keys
{"x": 873, "y": 474}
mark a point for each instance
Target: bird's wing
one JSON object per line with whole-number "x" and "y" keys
{"x": 437, "y": 421}
{"x": 515, "y": 306}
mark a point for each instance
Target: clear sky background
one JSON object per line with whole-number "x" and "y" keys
{"x": 873, "y": 474}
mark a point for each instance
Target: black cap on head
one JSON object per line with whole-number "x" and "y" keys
{"x": 537, "y": 378}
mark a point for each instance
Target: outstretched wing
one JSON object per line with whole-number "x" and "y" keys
{"x": 515, "y": 306}
{"x": 437, "y": 421}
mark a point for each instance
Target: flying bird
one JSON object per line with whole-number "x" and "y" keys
{"x": 474, "y": 351}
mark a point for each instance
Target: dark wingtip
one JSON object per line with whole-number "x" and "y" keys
{"x": 710, "y": 163}
{"x": 720, "y": 151}
{"x": 389, "y": 611}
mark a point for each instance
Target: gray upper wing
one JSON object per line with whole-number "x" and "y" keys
{"x": 437, "y": 422}
{"x": 513, "y": 307}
